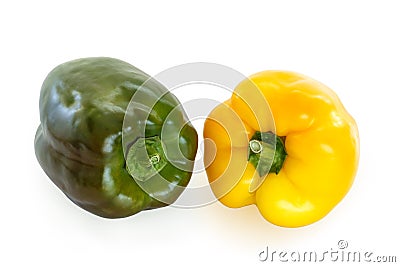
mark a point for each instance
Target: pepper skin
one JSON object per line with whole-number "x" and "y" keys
{"x": 316, "y": 156}
{"x": 79, "y": 143}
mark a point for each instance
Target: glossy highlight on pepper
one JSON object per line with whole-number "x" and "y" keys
{"x": 79, "y": 143}
{"x": 296, "y": 168}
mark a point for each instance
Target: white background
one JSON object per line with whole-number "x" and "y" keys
{"x": 352, "y": 46}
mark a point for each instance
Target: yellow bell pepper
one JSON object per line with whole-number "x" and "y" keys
{"x": 295, "y": 165}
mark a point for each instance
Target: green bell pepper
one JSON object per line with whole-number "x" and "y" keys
{"x": 90, "y": 138}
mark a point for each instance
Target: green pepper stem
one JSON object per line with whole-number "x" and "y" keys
{"x": 267, "y": 152}
{"x": 154, "y": 159}
{"x": 145, "y": 158}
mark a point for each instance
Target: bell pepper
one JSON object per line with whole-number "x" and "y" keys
{"x": 80, "y": 142}
{"x": 295, "y": 157}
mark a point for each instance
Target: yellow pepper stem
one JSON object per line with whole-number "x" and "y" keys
{"x": 267, "y": 152}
